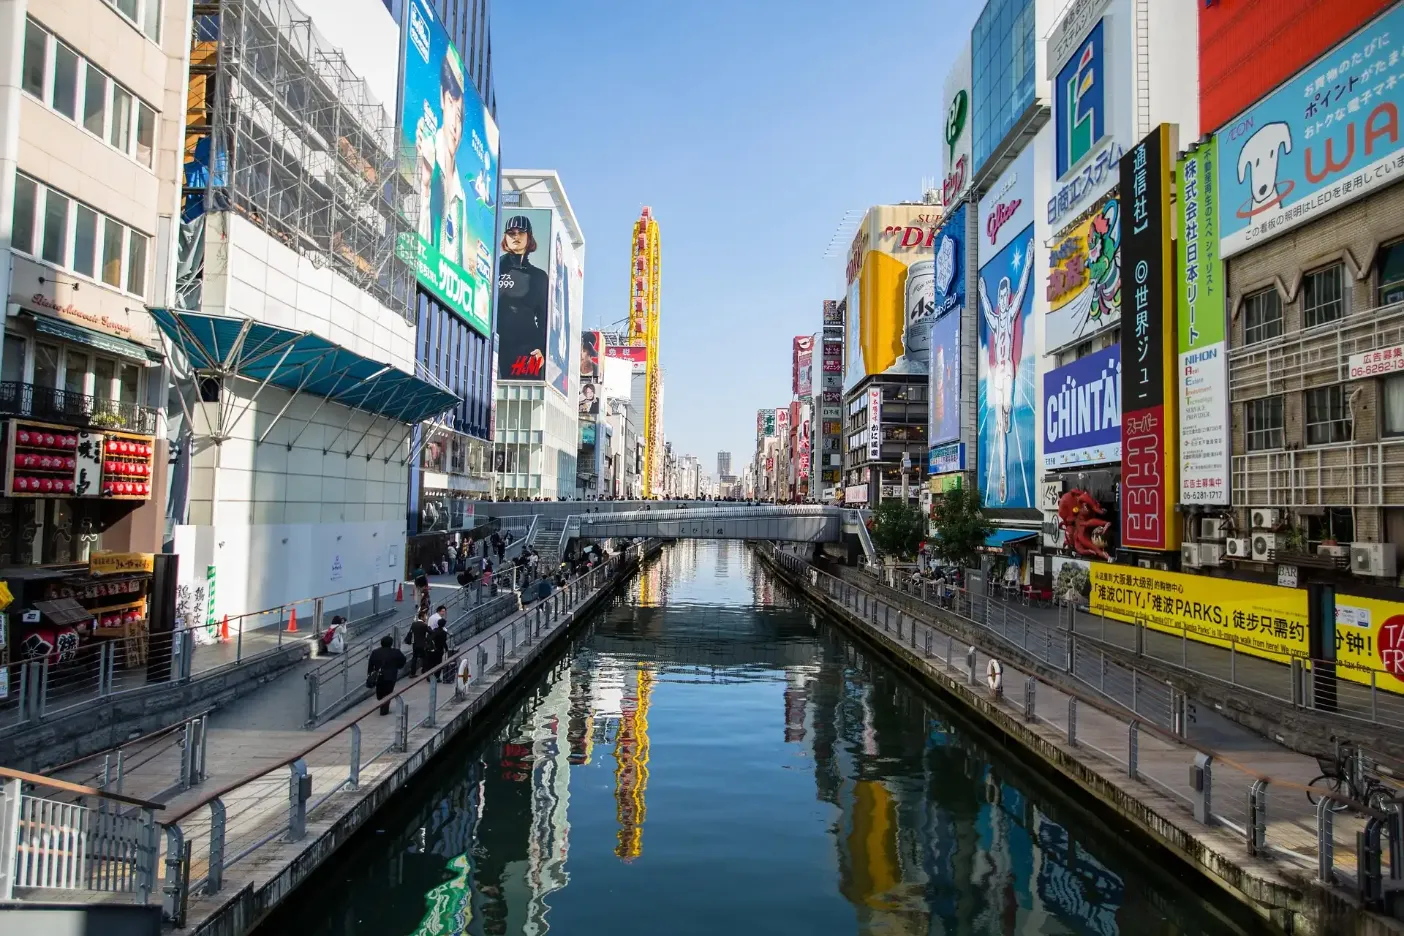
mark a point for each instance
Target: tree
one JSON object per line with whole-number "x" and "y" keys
{"x": 898, "y": 528}
{"x": 961, "y": 528}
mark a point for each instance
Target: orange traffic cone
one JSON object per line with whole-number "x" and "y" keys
{"x": 400, "y": 592}
{"x": 224, "y": 629}
{"x": 292, "y": 622}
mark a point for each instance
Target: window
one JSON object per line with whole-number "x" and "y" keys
{"x": 136, "y": 264}
{"x": 65, "y": 96}
{"x": 1336, "y": 523}
{"x": 95, "y": 101}
{"x": 55, "y": 238}
{"x": 129, "y": 387}
{"x": 1323, "y": 296}
{"x": 103, "y": 373}
{"x": 146, "y": 134}
{"x": 143, "y": 14}
{"x": 26, "y": 194}
{"x": 12, "y": 365}
{"x": 75, "y": 373}
{"x": 46, "y": 366}
{"x": 121, "y": 132}
{"x": 1262, "y": 316}
{"x": 1393, "y": 408}
{"x": 1265, "y": 424}
{"x": 1327, "y": 419}
{"x": 85, "y": 232}
{"x": 36, "y": 57}
{"x": 1389, "y": 274}
{"x": 112, "y": 253}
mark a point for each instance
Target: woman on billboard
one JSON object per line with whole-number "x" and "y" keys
{"x": 522, "y": 296}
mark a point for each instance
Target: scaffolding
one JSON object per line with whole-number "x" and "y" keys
{"x": 282, "y": 131}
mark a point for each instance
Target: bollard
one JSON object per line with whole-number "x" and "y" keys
{"x": 1072, "y": 721}
{"x": 1029, "y": 687}
{"x": 1133, "y": 748}
{"x": 353, "y": 778}
{"x": 1202, "y": 784}
{"x": 312, "y": 692}
{"x": 432, "y": 718}
{"x": 1325, "y": 842}
{"x": 1257, "y": 817}
{"x": 214, "y": 879}
{"x": 299, "y": 792}
{"x": 970, "y": 666}
{"x": 401, "y": 725}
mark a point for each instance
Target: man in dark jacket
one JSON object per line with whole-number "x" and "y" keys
{"x": 385, "y": 664}
{"x": 420, "y": 643}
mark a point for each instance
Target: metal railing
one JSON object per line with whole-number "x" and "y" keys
{"x": 1335, "y": 839}
{"x": 73, "y": 838}
{"x": 223, "y": 829}
{"x": 106, "y": 670}
{"x": 50, "y": 404}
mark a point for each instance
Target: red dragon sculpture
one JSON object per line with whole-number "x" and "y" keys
{"x": 1085, "y": 524}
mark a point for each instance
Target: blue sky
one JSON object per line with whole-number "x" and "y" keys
{"x": 750, "y": 127}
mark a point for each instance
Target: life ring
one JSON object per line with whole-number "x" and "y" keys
{"x": 994, "y": 676}
{"x": 463, "y": 676}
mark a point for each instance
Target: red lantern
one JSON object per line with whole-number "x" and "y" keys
{"x": 146, "y": 489}
{"x": 23, "y": 437}
{"x": 112, "y": 446}
{"x": 107, "y": 487}
{"x": 48, "y": 439}
{"x": 46, "y": 485}
{"x": 21, "y": 484}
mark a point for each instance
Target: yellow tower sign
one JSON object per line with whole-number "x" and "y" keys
{"x": 643, "y": 333}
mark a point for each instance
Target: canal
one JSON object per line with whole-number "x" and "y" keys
{"x": 709, "y": 757}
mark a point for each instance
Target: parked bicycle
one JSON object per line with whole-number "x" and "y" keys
{"x": 1345, "y": 774}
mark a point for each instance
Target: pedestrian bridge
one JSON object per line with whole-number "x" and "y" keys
{"x": 794, "y": 523}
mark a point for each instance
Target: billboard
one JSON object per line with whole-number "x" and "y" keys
{"x": 448, "y": 155}
{"x": 589, "y": 403}
{"x": 832, "y": 315}
{"x": 943, "y": 418}
{"x": 1084, "y": 277}
{"x": 1249, "y": 47}
{"x": 955, "y": 163}
{"x": 890, "y": 285}
{"x": 1005, "y": 373}
{"x": 948, "y": 287}
{"x": 802, "y": 366}
{"x": 1082, "y": 411}
{"x": 765, "y": 423}
{"x": 803, "y": 442}
{"x": 1080, "y": 102}
{"x": 1328, "y": 136}
{"x": 524, "y": 293}
{"x": 592, "y": 347}
{"x": 874, "y": 423}
{"x": 1202, "y": 345}
{"x": 1150, "y": 418}
{"x": 560, "y": 333}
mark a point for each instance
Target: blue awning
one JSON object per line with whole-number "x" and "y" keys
{"x": 1002, "y": 538}
{"x": 301, "y": 362}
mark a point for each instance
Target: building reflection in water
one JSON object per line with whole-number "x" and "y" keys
{"x": 930, "y": 830}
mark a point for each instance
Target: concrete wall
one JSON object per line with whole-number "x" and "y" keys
{"x": 37, "y": 919}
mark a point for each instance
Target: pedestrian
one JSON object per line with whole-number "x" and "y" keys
{"x": 421, "y": 585}
{"x": 439, "y": 617}
{"x": 438, "y": 640}
{"x": 383, "y": 669}
{"x": 418, "y": 640}
{"x": 487, "y": 578}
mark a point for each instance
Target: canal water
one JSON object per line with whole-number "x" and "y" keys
{"x": 709, "y": 757}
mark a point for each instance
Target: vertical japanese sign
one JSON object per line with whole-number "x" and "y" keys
{"x": 874, "y": 423}
{"x": 1148, "y": 426}
{"x": 1203, "y": 350}
{"x": 210, "y": 629}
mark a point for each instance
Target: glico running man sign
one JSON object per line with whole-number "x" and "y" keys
{"x": 1149, "y": 422}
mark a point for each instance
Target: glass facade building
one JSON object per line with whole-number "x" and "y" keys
{"x": 1003, "y": 53}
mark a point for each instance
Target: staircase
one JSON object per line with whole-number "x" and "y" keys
{"x": 546, "y": 540}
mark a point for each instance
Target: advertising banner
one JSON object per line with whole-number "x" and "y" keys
{"x": 1084, "y": 277}
{"x": 802, "y": 366}
{"x": 1202, "y": 348}
{"x": 949, "y": 287}
{"x": 1082, "y": 411}
{"x": 592, "y": 346}
{"x": 1005, "y": 399}
{"x": 448, "y": 154}
{"x": 634, "y": 354}
{"x": 1326, "y": 137}
{"x": 874, "y": 423}
{"x": 1149, "y": 424}
{"x": 524, "y": 293}
{"x": 943, "y": 418}
{"x": 565, "y": 294}
{"x": 943, "y": 459}
{"x": 1088, "y": 525}
{"x": 802, "y": 441}
{"x": 1376, "y": 363}
{"x": 955, "y": 163}
{"x": 832, "y": 316}
{"x": 765, "y": 423}
{"x": 1079, "y": 90}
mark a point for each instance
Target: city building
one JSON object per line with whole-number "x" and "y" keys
{"x": 1314, "y": 389}
{"x": 828, "y": 447}
{"x": 887, "y": 351}
{"x": 723, "y": 464}
{"x": 540, "y": 292}
{"x": 291, "y": 328}
{"x": 88, "y": 191}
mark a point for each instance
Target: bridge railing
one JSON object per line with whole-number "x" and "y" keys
{"x": 1135, "y": 725}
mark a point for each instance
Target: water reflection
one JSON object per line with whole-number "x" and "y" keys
{"x": 711, "y": 757}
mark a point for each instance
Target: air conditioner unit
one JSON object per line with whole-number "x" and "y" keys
{"x": 1212, "y": 528}
{"x": 1237, "y": 548}
{"x": 1189, "y": 555}
{"x": 1340, "y": 550}
{"x": 1265, "y": 518}
{"x": 1264, "y": 544}
{"x": 1211, "y": 554}
{"x": 1376, "y": 559}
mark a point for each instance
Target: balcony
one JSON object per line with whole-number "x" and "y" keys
{"x": 1353, "y": 474}
{"x": 74, "y": 409}
{"x": 1312, "y": 357}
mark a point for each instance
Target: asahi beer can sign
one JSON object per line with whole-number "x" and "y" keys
{"x": 920, "y": 307}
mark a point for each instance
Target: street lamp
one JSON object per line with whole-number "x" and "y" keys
{"x": 906, "y": 467}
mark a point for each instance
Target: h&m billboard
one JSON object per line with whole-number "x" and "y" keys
{"x": 524, "y": 294}
{"x": 1326, "y": 137}
{"x": 448, "y": 154}
{"x": 1005, "y": 367}
{"x": 1082, "y": 411}
{"x": 1150, "y": 415}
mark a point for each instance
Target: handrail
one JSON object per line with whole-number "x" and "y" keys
{"x": 1120, "y": 711}
{"x": 364, "y": 712}
{"x": 78, "y": 788}
{"x": 298, "y": 601}
{"x": 149, "y": 736}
